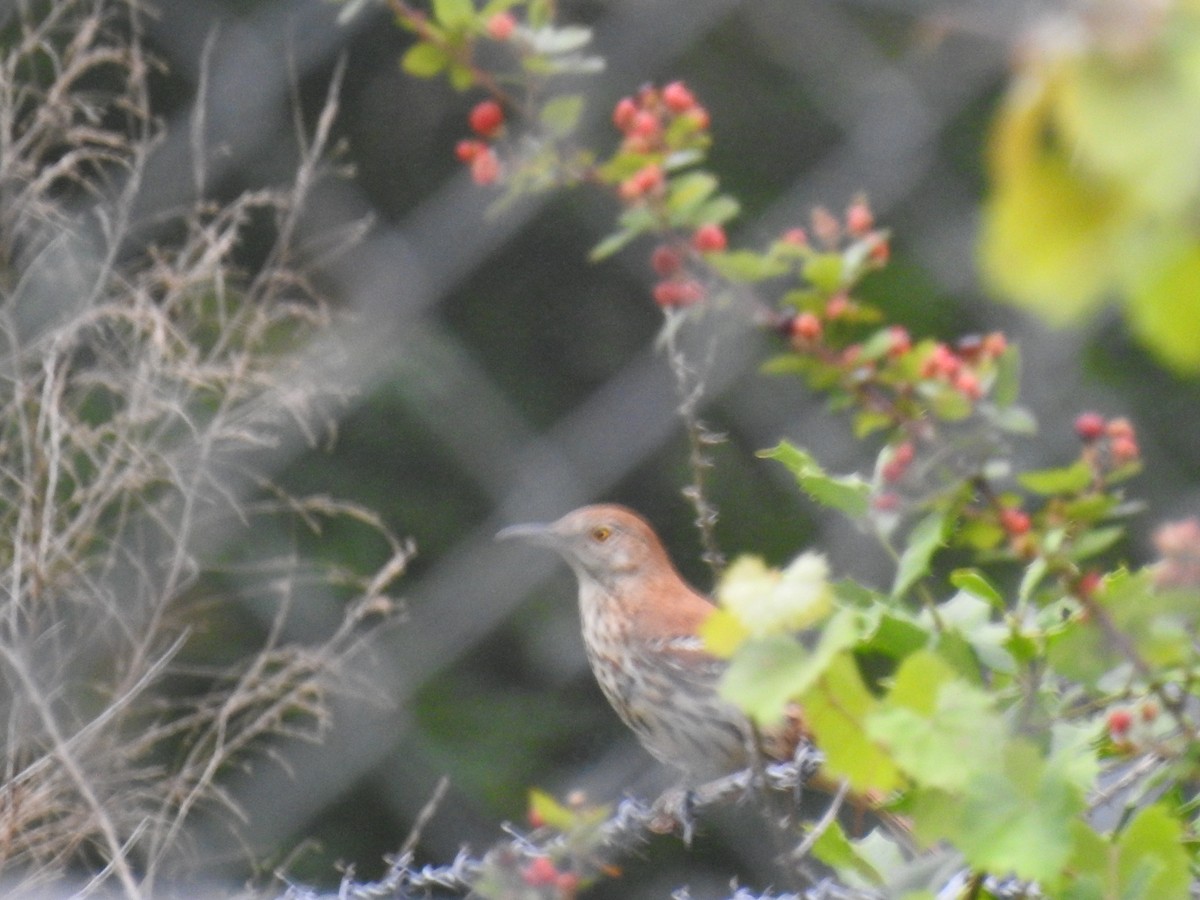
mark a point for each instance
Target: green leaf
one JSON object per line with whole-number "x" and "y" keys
{"x": 848, "y": 494}
{"x": 556, "y": 41}
{"x": 1068, "y": 480}
{"x": 424, "y": 60}
{"x": 688, "y": 191}
{"x": 561, "y": 114}
{"x": 454, "y": 14}
{"x": 836, "y": 709}
{"x": 1007, "y": 388}
{"x": 923, "y": 541}
{"x": 461, "y": 77}
{"x": 833, "y": 848}
{"x": 940, "y": 730}
{"x": 1163, "y": 306}
{"x": 1016, "y": 815}
{"x": 824, "y": 271}
{"x": 747, "y": 266}
{"x": 1095, "y": 541}
{"x": 766, "y": 673}
{"x": 1152, "y": 856}
{"x": 973, "y": 582}
{"x": 719, "y": 210}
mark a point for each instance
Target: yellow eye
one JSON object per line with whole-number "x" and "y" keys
{"x": 601, "y": 533}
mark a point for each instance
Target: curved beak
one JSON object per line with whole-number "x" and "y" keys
{"x": 535, "y": 532}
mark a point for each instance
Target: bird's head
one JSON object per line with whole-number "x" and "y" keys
{"x": 602, "y": 543}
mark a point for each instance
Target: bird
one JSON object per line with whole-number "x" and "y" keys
{"x": 641, "y": 626}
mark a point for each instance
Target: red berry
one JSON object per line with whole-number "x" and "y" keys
{"x": 859, "y": 219}
{"x": 666, "y": 260}
{"x": 467, "y": 150}
{"x": 837, "y": 306}
{"x": 485, "y": 167}
{"x": 1014, "y": 521}
{"x": 806, "y": 327}
{"x": 797, "y": 237}
{"x": 645, "y": 125}
{"x": 942, "y": 362}
{"x": 1089, "y": 426}
{"x": 1087, "y": 584}
{"x": 487, "y": 118}
{"x": 1124, "y": 449}
{"x": 967, "y": 383}
{"x": 624, "y": 113}
{"x": 677, "y": 97}
{"x": 1119, "y": 722}
{"x": 541, "y": 871}
{"x": 1120, "y": 428}
{"x": 645, "y": 180}
{"x": 710, "y": 239}
{"x": 501, "y": 26}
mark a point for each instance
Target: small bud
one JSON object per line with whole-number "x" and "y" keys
{"x": 797, "y": 237}
{"x": 994, "y": 344}
{"x": 710, "y": 239}
{"x": 1120, "y": 428}
{"x": 1124, "y": 449}
{"x": 826, "y": 227}
{"x": 837, "y": 306}
{"x": 1149, "y": 711}
{"x": 888, "y": 501}
{"x": 645, "y": 180}
{"x": 487, "y": 118}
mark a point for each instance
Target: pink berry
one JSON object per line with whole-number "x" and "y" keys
{"x": 467, "y": 150}
{"x": 1090, "y": 426}
{"x": 710, "y": 239}
{"x": 994, "y": 344}
{"x": 1124, "y": 449}
{"x": 837, "y": 306}
{"x": 541, "y": 871}
{"x": 806, "y": 327}
{"x": 624, "y": 113}
{"x": 967, "y": 383}
{"x": 797, "y": 237}
{"x": 485, "y": 167}
{"x": 902, "y": 456}
{"x": 678, "y": 292}
{"x": 666, "y": 260}
{"x": 859, "y": 219}
{"x": 1120, "y": 428}
{"x": 881, "y": 252}
{"x": 1119, "y": 722}
{"x": 487, "y": 118}
{"x": 1014, "y": 521}
{"x": 646, "y": 180}
{"x": 677, "y": 97}
{"x": 645, "y": 125}
{"x": 501, "y": 26}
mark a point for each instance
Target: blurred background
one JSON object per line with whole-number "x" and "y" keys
{"x": 498, "y": 377}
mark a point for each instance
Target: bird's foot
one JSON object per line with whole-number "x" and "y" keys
{"x": 676, "y": 810}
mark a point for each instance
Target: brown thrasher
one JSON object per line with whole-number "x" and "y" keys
{"x": 641, "y": 625}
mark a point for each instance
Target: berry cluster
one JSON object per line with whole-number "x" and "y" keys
{"x": 679, "y": 264}
{"x": 1128, "y": 728}
{"x": 661, "y": 121}
{"x": 1109, "y": 444}
{"x": 541, "y": 873}
{"x": 486, "y": 119}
